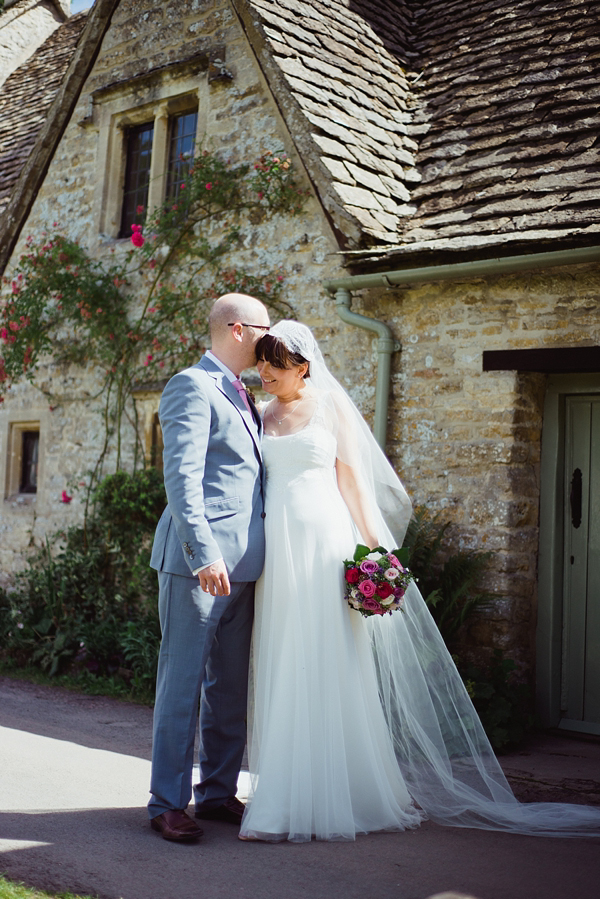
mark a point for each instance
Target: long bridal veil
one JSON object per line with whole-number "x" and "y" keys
{"x": 442, "y": 750}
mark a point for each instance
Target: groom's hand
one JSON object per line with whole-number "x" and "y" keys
{"x": 214, "y": 579}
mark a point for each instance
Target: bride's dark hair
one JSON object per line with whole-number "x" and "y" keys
{"x": 272, "y": 349}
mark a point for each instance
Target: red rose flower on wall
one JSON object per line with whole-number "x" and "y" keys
{"x": 137, "y": 238}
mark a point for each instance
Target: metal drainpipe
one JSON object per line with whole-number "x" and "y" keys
{"x": 386, "y": 345}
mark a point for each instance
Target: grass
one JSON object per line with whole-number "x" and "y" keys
{"x": 81, "y": 682}
{"x": 11, "y": 890}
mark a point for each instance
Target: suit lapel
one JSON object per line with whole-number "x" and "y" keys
{"x": 225, "y": 386}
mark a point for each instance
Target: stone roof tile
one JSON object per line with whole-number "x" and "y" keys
{"x": 506, "y": 106}
{"x": 506, "y": 87}
{"x": 26, "y": 97}
{"x": 362, "y": 52}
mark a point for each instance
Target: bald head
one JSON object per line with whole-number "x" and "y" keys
{"x": 235, "y": 307}
{"x": 232, "y": 337}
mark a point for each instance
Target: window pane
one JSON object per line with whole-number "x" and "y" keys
{"x": 181, "y": 151}
{"x": 137, "y": 176}
{"x": 29, "y": 461}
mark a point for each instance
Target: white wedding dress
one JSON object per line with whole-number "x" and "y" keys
{"x": 321, "y": 758}
{"x": 358, "y": 725}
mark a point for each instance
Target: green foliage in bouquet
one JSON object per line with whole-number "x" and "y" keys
{"x": 450, "y": 583}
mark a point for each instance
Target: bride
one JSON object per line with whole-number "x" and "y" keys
{"x": 355, "y": 724}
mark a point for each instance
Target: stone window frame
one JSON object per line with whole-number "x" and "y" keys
{"x": 147, "y": 400}
{"x": 153, "y": 98}
{"x": 11, "y": 459}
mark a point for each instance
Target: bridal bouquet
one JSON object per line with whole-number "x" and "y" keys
{"x": 376, "y": 580}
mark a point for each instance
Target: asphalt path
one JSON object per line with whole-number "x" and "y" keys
{"x": 74, "y": 774}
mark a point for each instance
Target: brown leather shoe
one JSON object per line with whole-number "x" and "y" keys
{"x": 176, "y": 825}
{"x": 231, "y": 811}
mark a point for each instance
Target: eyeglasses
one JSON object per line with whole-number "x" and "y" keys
{"x": 246, "y": 325}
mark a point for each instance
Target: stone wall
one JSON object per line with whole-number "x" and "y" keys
{"x": 467, "y": 442}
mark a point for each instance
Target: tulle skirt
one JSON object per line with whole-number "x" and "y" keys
{"x": 320, "y": 754}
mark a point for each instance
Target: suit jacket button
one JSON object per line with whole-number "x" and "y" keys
{"x": 263, "y": 514}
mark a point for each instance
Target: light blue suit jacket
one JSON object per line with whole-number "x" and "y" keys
{"x": 213, "y": 477}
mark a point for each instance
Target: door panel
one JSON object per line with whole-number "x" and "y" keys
{"x": 591, "y": 703}
{"x": 580, "y": 682}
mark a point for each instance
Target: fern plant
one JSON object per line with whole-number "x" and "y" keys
{"x": 449, "y": 583}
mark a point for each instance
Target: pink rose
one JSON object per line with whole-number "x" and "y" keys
{"x": 367, "y": 566}
{"x": 137, "y": 238}
{"x": 391, "y": 574}
{"x": 371, "y": 605}
{"x": 367, "y": 588}
{"x": 352, "y": 575}
{"x": 395, "y": 561}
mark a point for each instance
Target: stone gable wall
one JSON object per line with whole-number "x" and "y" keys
{"x": 241, "y": 122}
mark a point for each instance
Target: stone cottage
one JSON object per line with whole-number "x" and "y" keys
{"x": 452, "y": 155}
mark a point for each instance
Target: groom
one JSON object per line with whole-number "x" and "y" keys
{"x": 209, "y": 551}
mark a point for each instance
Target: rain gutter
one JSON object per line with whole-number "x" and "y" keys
{"x": 341, "y": 289}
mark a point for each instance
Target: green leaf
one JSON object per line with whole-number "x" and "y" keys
{"x": 59, "y": 641}
{"x": 361, "y": 552}
{"x": 44, "y": 626}
{"x": 403, "y": 555}
{"x": 433, "y": 598}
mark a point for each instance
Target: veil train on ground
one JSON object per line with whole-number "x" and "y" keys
{"x": 441, "y": 747}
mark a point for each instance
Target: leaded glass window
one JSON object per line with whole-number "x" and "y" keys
{"x": 137, "y": 176}
{"x": 182, "y": 141}
{"x": 29, "y": 461}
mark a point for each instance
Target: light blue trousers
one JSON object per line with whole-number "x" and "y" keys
{"x": 204, "y": 655}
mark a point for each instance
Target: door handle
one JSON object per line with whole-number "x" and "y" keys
{"x": 575, "y": 497}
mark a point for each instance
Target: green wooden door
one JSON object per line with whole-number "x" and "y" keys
{"x": 580, "y": 682}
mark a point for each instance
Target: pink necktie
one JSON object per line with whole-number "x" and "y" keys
{"x": 242, "y": 392}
